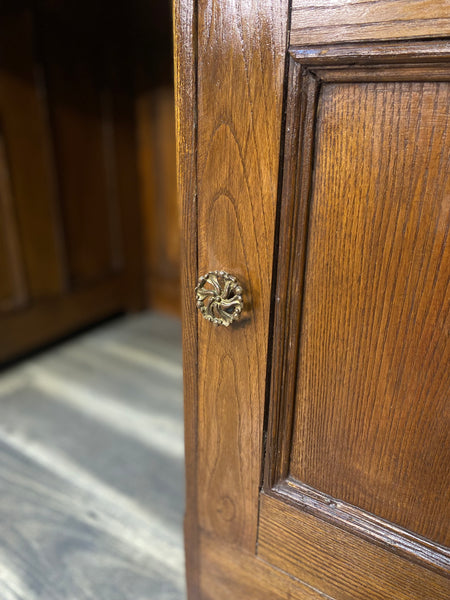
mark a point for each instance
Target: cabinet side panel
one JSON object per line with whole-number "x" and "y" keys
{"x": 185, "y": 52}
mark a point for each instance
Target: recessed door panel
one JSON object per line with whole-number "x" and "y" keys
{"x": 373, "y": 371}
{"x": 356, "y": 467}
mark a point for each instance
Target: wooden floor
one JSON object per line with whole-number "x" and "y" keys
{"x": 91, "y": 467}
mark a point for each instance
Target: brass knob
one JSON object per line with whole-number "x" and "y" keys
{"x": 219, "y": 297}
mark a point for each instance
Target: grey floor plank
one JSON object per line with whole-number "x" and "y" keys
{"x": 143, "y": 388}
{"x": 153, "y": 479}
{"x": 91, "y": 467}
{"x": 59, "y": 541}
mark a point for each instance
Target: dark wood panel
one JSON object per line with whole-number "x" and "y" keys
{"x": 356, "y": 20}
{"x": 240, "y": 89}
{"x": 81, "y": 138}
{"x": 129, "y": 223}
{"x": 415, "y": 131}
{"x": 185, "y": 52}
{"x": 162, "y": 214}
{"x": 77, "y": 54}
{"x": 46, "y": 321}
{"x": 368, "y": 526}
{"x": 374, "y": 373}
{"x": 67, "y": 118}
{"x": 341, "y": 565}
{"x": 13, "y": 291}
{"x": 27, "y": 143}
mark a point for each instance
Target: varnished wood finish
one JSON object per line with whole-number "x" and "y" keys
{"x": 231, "y": 573}
{"x": 373, "y": 336}
{"x": 69, "y": 161}
{"x": 415, "y": 247}
{"x": 365, "y": 158}
{"x": 158, "y": 189}
{"x": 185, "y": 63}
{"x": 366, "y": 525}
{"x": 240, "y": 91}
{"x": 341, "y": 565}
{"x": 357, "y": 20}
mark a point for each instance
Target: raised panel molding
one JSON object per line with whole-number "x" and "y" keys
{"x": 311, "y": 68}
{"x": 343, "y": 566}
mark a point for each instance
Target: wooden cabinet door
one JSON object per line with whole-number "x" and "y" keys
{"x": 314, "y": 166}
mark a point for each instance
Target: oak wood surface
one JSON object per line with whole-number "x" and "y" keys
{"x": 341, "y": 565}
{"x": 365, "y": 525}
{"x": 330, "y": 21}
{"x": 374, "y": 373}
{"x": 230, "y": 101}
{"x": 241, "y": 55}
{"x": 231, "y": 573}
{"x": 305, "y": 105}
{"x": 185, "y": 67}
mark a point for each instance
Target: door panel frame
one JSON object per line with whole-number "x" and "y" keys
{"x": 308, "y": 69}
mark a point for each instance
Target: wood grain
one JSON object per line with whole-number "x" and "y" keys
{"x": 289, "y": 264}
{"x": 368, "y": 526}
{"x": 235, "y": 56}
{"x": 302, "y": 200}
{"x": 241, "y": 50}
{"x": 231, "y": 573}
{"x": 333, "y": 21}
{"x": 161, "y": 210}
{"x": 82, "y": 123}
{"x": 185, "y": 63}
{"x": 340, "y": 564}
{"x": 374, "y": 358}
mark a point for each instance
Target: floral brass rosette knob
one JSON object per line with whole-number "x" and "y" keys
{"x": 219, "y": 297}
